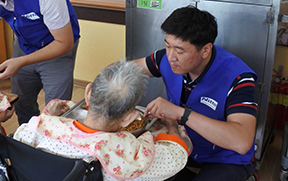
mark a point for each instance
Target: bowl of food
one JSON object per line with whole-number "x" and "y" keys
{"x": 137, "y": 127}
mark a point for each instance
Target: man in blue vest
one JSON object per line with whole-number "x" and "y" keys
{"x": 210, "y": 91}
{"x": 47, "y": 34}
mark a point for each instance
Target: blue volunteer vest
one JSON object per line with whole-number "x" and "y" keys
{"x": 27, "y": 23}
{"x": 209, "y": 98}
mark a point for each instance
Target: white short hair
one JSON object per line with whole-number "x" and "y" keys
{"x": 117, "y": 90}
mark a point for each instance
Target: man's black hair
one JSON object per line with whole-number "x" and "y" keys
{"x": 193, "y": 25}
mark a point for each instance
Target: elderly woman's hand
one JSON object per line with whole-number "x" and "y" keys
{"x": 58, "y": 109}
{"x": 7, "y": 114}
{"x": 172, "y": 126}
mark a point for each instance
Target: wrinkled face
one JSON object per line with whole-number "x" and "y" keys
{"x": 183, "y": 56}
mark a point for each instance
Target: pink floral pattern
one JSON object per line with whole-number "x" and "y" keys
{"x": 106, "y": 159}
{"x": 117, "y": 170}
{"x": 121, "y": 135}
{"x": 119, "y": 151}
{"x": 146, "y": 151}
{"x": 86, "y": 146}
{"x": 136, "y": 173}
{"x": 99, "y": 144}
{"x": 48, "y": 132}
{"x": 135, "y": 155}
{"x": 122, "y": 155}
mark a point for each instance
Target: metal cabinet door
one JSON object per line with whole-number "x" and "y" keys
{"x": 242, "y": 30}
{"x": 144, "y": 36}
{"x": 143, "y": 32}
{"x": 259, "y": 2}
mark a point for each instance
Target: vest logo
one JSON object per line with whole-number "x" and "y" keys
{"x": 31, "y": 16}
{"x": 209, "y": 102}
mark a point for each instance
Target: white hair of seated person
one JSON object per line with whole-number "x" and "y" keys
{"x": 113, "y": 96}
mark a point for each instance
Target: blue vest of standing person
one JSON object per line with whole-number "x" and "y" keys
{"x": 209, "y": 98}
{"x": 27, "y": 23}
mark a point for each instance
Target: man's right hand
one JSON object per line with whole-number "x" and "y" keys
{"x": 161, "y": 108}
{"x": 10, "y": 67}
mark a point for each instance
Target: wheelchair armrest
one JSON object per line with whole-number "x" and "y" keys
{"x": 86, "y": 165}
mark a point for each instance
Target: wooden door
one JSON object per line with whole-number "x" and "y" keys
{"x": 3, "y": 56}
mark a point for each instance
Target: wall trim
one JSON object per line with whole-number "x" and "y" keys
{"x": 99, "y": 14}
{"x": 80, "y": 83}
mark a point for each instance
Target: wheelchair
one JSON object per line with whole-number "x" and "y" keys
{"x": 21, "y": 162}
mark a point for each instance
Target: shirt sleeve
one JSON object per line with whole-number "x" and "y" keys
{"x": 169, "y": 159}
{"x": 55, "y": 13}
{"x": 153, "y": 62}
{"x": 25, "y": 135}
{"x": 241, "y": 97}
{"x": 171, "y": 153}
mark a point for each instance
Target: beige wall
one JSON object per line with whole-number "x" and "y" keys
{"x": 100, "y": 45}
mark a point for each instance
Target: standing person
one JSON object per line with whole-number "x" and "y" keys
{"x": 44, "y": 51}
{"x": 111, "y": 101}
{"x": 210, "y": 91}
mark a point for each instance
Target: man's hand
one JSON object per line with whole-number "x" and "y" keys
{"x": 63, "y": 43}
{"x": 58, "y": 109}
{"x": 161, "y": 108}
{"x": 10, "y": 67}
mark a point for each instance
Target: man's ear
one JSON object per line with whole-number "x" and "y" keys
{"x": 129, "y": 118}
{"x": 88, "y": 93}
{"x": 206, "y": 50}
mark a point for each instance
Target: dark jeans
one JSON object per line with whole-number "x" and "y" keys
{"x": 215, "y": 172}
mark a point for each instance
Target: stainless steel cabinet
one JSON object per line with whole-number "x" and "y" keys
{"x": 255, "y": 2}
{"x": 249, "y": 31}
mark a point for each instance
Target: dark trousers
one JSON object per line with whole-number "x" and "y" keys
{"x": 215, "y": 172}
{"x": 55, "y": 76}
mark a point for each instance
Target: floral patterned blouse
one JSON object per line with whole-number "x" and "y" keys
{"x": 154, "y": 155}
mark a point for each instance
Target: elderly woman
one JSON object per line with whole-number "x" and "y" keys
{"x": 111, "y": 100}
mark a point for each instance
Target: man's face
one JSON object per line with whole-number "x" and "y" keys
{"x": 183, "y": 56}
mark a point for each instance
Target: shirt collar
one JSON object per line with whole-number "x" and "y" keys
{"x": 83, "y": 128}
